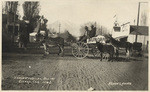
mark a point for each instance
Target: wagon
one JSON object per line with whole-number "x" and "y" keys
{"x": 137, "y": 49}
{"x": 82, "y": 49}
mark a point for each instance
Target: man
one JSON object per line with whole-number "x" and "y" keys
{"x": 93, "y": 31}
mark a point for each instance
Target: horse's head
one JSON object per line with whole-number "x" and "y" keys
{"x": 108, "y": 38}
{"x": 92, "y": 26}
{"x": 39, "y": 37}
{"x": 86, "y": 28}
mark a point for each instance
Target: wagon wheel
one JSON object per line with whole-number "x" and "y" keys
{"x": 80, "y": 50}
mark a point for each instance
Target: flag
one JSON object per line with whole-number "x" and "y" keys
{"x": 114, "y": 16}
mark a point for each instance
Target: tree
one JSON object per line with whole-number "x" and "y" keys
{"x": 10, "y": 9}
{"x": 10, "y": 6}
{"x": 31, "y": 13}
{"x": 10, "y": 13}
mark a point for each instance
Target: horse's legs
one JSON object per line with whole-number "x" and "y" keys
{"x": 117, "y": 53}
{"x": 101, "y": 56}
{"x": 109, "y": 58}
{"x": 126, "y": 49}
{"x": 112, "y": 55}
{"x": 45, "y": 49}
{"x": 20, "y": 45}
{"x": 128, "y": 54}
{"x": 61, "y": 51}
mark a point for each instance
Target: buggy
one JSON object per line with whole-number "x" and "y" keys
{"x": 81, "y": 49}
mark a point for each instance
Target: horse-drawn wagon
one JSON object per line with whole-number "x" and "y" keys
{"x": 86, "y": 44}
{"x": 81, "y": 49}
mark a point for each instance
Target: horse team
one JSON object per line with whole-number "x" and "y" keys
{"x": 112, "y": 48}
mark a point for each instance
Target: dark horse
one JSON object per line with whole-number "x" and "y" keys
{"x": 51, "y": 42}
{"x": 118, "y": 44}
{"x": 103, "y": 48}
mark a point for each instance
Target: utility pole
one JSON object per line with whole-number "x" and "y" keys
{"x": 95, "y": 27}
{"x": 59, "y": 27}
{"x": 101, "y": 30}
{"x": 137, "y": 22}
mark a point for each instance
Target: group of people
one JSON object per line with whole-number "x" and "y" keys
{"x": 90, "y": 33}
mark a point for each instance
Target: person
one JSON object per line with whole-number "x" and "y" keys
{"x": 93, "y": 31}
{"x": 88, "y": 32}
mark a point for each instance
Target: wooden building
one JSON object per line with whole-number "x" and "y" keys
{"x": 142, "y": 35}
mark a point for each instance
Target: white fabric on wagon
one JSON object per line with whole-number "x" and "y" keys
{"x": 99, "y": 38}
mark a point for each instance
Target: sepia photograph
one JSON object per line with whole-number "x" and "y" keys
{"x": 75, "y": 45}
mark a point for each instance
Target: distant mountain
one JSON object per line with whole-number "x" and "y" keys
{"x": 64, "y": 26}
{"x": 67, "y": 36}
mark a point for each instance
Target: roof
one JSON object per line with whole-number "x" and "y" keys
{"x": 139, "y": 30}
{"x": 120, "y": 37}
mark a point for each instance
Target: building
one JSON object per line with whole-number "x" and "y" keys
{"x": 129, "y": 33}
{"x": 142, "y": 35}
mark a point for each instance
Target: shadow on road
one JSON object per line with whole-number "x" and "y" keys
{"x": 119, "y": 59}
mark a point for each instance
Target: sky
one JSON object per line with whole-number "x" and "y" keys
{"x": 80, "y": 12}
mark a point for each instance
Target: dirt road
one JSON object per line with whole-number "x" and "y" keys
{"x": 31, "y": 72}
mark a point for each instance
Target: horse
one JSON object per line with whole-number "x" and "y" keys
{"x": 104, "y": 48}
{"x": 51, "y": 42}
{"x": 118, "y": 44}
{"x": 83, "y": 38}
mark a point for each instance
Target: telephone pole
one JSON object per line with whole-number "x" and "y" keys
{"x": 59, "y": 27}
{"x": 138, "y": 20}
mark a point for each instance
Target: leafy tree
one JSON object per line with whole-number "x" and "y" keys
{"x": 10, "y": 15}
{"x": 10, "y": 6}
{"x": 31, "y": 13}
